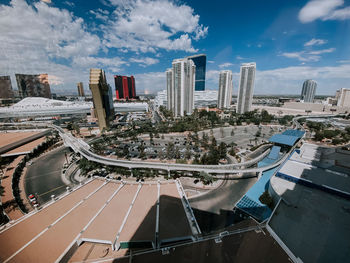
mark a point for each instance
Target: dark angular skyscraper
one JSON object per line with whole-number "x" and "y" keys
{"x": 5, "y": 87}
{"x": 125, "y": 87}
{"x": 200, "y": 61}
{"x": 33, "y": 85}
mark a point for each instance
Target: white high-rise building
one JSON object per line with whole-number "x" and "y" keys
{"x": 246, "y": 87}
{"x": 225, "y": 89}
{"x": 343, "y": 97}
{"x": 170, "y": 89}
{"x": 181, "y": 100}
{"x": 308, "y": 91}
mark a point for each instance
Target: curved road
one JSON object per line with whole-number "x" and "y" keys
{"x": 44, "y": 175}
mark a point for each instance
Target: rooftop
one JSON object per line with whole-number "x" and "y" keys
{"x": 311, "y": 220}
{"x": 102, "y": 212}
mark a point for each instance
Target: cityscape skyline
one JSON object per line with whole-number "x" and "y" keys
{"x": 292, "y": 45}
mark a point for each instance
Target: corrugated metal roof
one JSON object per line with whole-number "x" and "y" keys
{"x": 284, "y": 139}
{"x": 296, "y": 133}
{"x": 274, "y": 153}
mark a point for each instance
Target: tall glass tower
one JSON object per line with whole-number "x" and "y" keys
{"x": 200, "y": 62}
{"x": 225, "y": 89}
{"x": 246, "y": 87}
{"x": 309, "y": 90}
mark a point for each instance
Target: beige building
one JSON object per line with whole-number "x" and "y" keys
{"x": 80, "y": 89}
{"x": 101, "y": 95}
{"x": 343, "y": 96}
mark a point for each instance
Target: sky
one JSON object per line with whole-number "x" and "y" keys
{"x": 290, "y": 41}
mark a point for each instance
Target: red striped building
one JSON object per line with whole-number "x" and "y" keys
{"x": 125, "y": 87}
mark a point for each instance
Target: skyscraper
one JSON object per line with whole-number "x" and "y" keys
{"x": 33, "y": 85}
{"x": 125, "y": 87}
{"x": 225, "y": 89}
{"x": 170, "y": 89}
{"x": 80, "y": 89}
{"x": 200, "y": 62}
{"x": 246, "y": 87}
{"x": 101, "y": 96}
{"x": 6, "y": 91}
{"x": 183, "y": 83}
{"x": 308, "y": 90}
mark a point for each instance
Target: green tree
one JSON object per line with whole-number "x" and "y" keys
{"x": 170, "y": 150}
{"x": 177, "y": 153}
{"x": 266, "y": 199}
{"x": 222, "y": 150}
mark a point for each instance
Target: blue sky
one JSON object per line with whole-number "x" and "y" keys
{"x": 289, "y": 40}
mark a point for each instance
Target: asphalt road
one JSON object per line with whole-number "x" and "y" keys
{"x": 44, "y": 175}
{"x": 214, "y": 210}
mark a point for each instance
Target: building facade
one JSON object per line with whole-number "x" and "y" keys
{"x": 80, "y": 87}
{"x": 308, "y": 91}
{"x": 102, "y": 98}
{"x": 33, "y": 85}
{"x": 225, "y": 89}
{"x": 343, "y": 98}
{"x": 6, "y": 91}
{"x": 183, "y": 85}
{"x": 170, "y": 89}
{"x": 125, "y": 87}
{"x": 200, "y": 62}
{"x": 246, "y": 87}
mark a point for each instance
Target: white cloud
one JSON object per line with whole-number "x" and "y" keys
{"x": 146, "y": 26}
{"x": 316, "y": 42}
{"x": 47, "y": 1}
{"x": 343, "y": 61}
{"x": 226, "y": 65}
{"x": 35, "y": 37}
{"x": 340, "y": 14}
{"x": 144, "y": 61}
{"x": 150, "y": 82}
{"x": 100, "y": 14}
{"x": 325, "y": 10}
{"x": 239, "y": 57}
{"x": 307, "y": 56}
{"x": 289, "y": 80}
{"x": 322, "y": 51}
{"x": 301, "y": 56}
{"x": 113, "y": 64}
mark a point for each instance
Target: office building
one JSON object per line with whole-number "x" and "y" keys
{"x": 170, "y": 89}
{"x": 183, "y": 83}
{"x": 6, "y": 91}
{"x": 200, "y": 62}
{"x": 125, "y": 87}
{"x": 101, "y": 96}
{"x": 246, "y": 87}
{"x": 343, "y": 97}
{"x": 225, "y": 89}
{"x": 308, "y": 90}
{"x": 33, "y": 85}
{"x": 80, "y": 89}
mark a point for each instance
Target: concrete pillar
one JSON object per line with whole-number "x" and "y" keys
{"x": 53, "y": 197}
